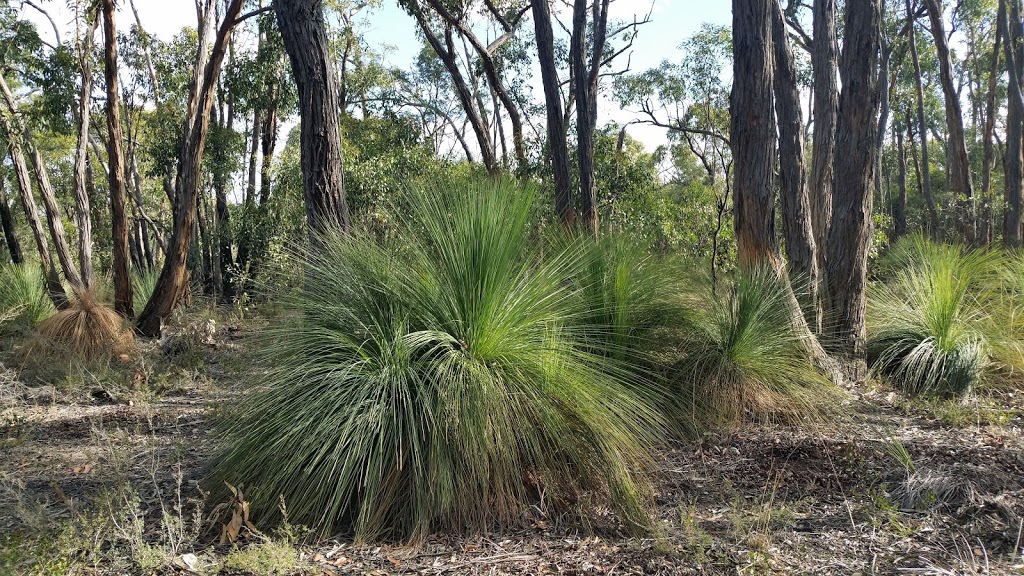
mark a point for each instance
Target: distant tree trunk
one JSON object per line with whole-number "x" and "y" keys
{"x": 254, "y": 147}
{"x": 801, "y": 252}
{"x": 825, "y": 90}
{"x": 558, "y": 149}
{"x": 116, "y": 170}
{"x": 849, "y": 235}
{"x": 900, "y": 210}
{"x": 1013, "y": 164}
{"x": 267, "y": 145}
{"x": 305, "y": 39}
{"x": 753, "y": 134}
{"x": 884, "y": 109}
{"x": 173, "y": 281}
{"x": 922, "y": 129}
{"x": 7, "y": 221}
{"x": 83, "y": 213}
{"x": 959, "y": 168}
{"x": 989, "y": 130}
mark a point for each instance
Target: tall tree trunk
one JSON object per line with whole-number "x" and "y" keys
{"x": 922, "y": 128}
{"x": 959, "y": 168}
{"x": 173, "y": 281}
{"x": 753, "y": 134}
{"x": 825, "y": 89}
{"x": 267, "y": 145}
{"x": 116, "y": 170}
{"x": 801, "y": 251}
{"x": 305, "y": 39}
{"x": 254, "y": 147}
{"x": 1013, "y": 164}
{"x": 584, "y": 121}
{"x": 7, "y": 221}
{"x": 849, "y": 236}
{"x": 83, "y": 213}
{"x": 53, "y": 285}
{"x": 558, "y": 149}
{"x": 989, "y": 130}
{"x": 900, "y": 210}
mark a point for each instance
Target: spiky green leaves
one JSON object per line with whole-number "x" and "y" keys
{"x": 443, "y": 382}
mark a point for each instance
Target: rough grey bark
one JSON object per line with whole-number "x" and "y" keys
{"x": 849, "y": 234}
{"x": 173, "y": 281}
{"x": 7, "y": 221}
{"x": 584, "y": 119}
{"x": 305, "y": 39}
{"x": 958, "y": 165}
{"x": 558, "y": 149}
{"x": 801, "y": 251}
{"x": 1013, "y": 163}
{"x": 922, "y": 128}
{"x": 825, "y": 96}
{"x": 753, "y": 134}
{"x": 988, "y": 136}
{"x": 116, "y": 170}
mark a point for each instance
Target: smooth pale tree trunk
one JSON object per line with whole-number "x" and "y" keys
{"x": 173, "y": 281}
{"x": 849, "y": 234}
{"x": 989, "y": 134}
{"x": 558, "y": 149}
{"x": 83, "y": 213}
{"x": 1013, "y": 163}
{"x": 900, "y": 210}
{"x": 305, "y": 39}
{"x": 7, "y": 221}
{"x": 922, "y": 130}
{"x": 825, "y": 105}
{"x": 116, "y": 170}
{"x": 958, "y": 166}
{"x": 753, "y": 134}
{"x": 801, "y": 252}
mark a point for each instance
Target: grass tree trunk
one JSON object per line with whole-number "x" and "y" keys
{"x": 83, "y": 213}
{"x": 7, "y": 222}
{"x": 173, "y": 281}
{"x": 956, "y": 142}
{"x": 753, "y": 133}
{"x": 850, "y": 231}
{"x": 801, "y": 251}
{"x": 558, "y": 149}
{"x": 1013, "y": 164}
{"x": 116, "y": 170}
{"x": 825, "y": 106}
{"x": 305, "y": 39}
{"x": 922, "y": 129}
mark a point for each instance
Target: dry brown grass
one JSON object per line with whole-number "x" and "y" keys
{"x": 87, "y": 329}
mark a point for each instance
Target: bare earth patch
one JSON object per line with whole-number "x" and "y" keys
{"x": 897, "y": 488}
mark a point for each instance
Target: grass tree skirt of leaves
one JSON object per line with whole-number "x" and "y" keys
{"x": 942, "y": 320}
{"x": 445, "y": 381}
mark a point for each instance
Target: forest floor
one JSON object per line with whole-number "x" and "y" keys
{"x": 100, "y": 470}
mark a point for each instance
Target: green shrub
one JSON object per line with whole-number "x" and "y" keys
{"x": 442, "y": 382}
{"x": 931, "y": 325}
{"x": 741, "y": 357}
{"x": 24, "y": 301}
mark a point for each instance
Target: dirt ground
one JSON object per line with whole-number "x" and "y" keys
{"x": 100, "y": 470}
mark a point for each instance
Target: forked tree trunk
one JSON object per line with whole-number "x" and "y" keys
{"x": 825, "y": 89}
{"x": 83, "y": 213}
{"x": 305, "y": 39}
{"x": 116, "y": 170}
{"x": 173, "y": 281}
{"x": 558, "y": 149}
{"x": 922, "y": 129}
{"x": 801, "y": 251}
{"x": 850, "y": 231}
{"x": 959, "y": 173}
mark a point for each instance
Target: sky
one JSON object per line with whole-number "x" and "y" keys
{"x": 393, "y": 32}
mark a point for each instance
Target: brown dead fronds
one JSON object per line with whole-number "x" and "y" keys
{"x": 87, "y": 329}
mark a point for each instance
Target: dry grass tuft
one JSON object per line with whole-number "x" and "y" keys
{"x": 87, "y": 329}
